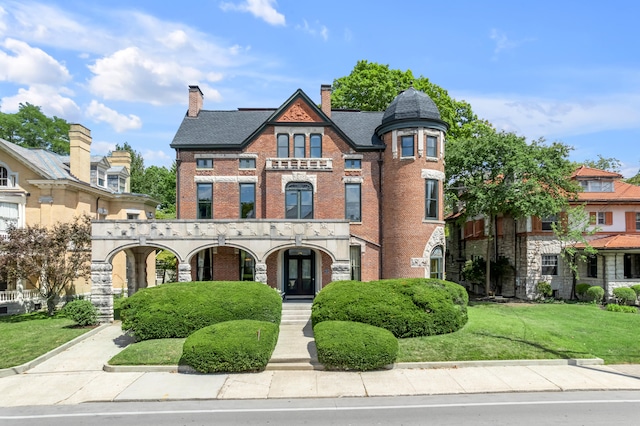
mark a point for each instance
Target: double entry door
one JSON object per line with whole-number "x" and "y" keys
{"x": 299, "y": 272}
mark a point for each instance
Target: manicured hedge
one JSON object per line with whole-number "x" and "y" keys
{"x": 581, "y": 290}
{"x": 179, "y": 309}
{"x": 595, "y": 294}
{"x": 405, "y": 307}
{"x": 82, "y": 311}
{"x": 231, "y": 347}
{"x": 345, "y": 345}
{"x": 625, "y": 295}
{"x": 636, "y": 288}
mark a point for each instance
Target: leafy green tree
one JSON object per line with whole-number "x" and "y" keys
{"x": 574, "y": 230}
{"x": 609, "y": 164}
{"x": 498, "y": 172}
{"x": 48, "y": 258}
{"x": 31, "y": 128}
{"x": 635, "y": 180}
{"x": 136, "y": 172}
{"x": 372, "y": 87}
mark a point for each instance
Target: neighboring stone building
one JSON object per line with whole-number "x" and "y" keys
{"x": 41, "y": 187}
{"x": 533, "y": 252}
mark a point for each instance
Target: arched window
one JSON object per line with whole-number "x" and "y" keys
{"x": 436, "y": 263}
{"x": 4, "y": 177}
{"x": 299, "y": 201}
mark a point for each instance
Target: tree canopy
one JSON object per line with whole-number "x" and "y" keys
{"x": 31, "y": 128}
{"x": 609, "y": 164}
{"x": 48, "y": 258}
{"x": 372, "y": 87}
{"x": 499, "y": 172}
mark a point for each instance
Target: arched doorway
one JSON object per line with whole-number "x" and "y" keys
{"x": 299, "y": 272}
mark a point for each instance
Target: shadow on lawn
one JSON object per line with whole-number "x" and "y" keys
{"x": 27, "y": 317}
{"x": 559, "y": 354}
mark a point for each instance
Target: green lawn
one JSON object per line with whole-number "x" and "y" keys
{"x": 533, "y": 331}
{"x": 23, "y": 338}
{"x": 494, "y": 331}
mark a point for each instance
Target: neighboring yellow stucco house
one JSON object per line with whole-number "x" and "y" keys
{"x": 41, "y": 187}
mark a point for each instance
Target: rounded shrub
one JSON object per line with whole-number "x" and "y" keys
{"x": 231, "y": 347}
{"x": 82, "y": 312}
{"x": 625, "y": 295}
{"x": 581, "y": 290}
{"x": 595, "y": 294}
{"x": 612, "y": 307}
{"x": 636, "y": 289}
{"x": 405, "y": 307}
{"x": 544, "y": 289}
{"x": 179, "y": 309}
{"x": 346, "y": 345}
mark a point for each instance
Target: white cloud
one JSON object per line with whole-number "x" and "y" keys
{"x": 545, "y": 117}
{"x": 102, "y": 147}
{"x": 318, "y": 30}
{"x": 29, "y": 65}
{"x": 133, "y": 76}
{"x": 502, "y": 42}
{"x": 50, "y": 99}
{"x": 263, "y": 9}
{"x": 157, "y": 157}
{"x": 119, "y": 122}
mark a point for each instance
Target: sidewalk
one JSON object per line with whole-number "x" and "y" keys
{"x": 76, "y": 375}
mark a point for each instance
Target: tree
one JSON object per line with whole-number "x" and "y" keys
{"x": 30, "y": 128}
{"x": 570, "y": 232}
{"x": 498, "y": 172}
{"x": 372, "y": 87}
{"x": 136, "y": 171}
{"x": 49, "y": 259}
{"x": 610, "y": 164}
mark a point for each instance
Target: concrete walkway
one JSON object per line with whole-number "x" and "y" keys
{"x": 76, "y": 375}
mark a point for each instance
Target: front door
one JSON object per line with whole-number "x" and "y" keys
{"x": 299, "y": 272}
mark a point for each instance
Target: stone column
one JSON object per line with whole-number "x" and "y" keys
{"x": 340, "y": 271}
{"x": 102, "y": 291}
{"x": 261, "y": 273}
{"x": 184, "y": 272}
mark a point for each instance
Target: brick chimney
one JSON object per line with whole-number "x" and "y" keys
{"x": 80, "y": 152}
{"x": 122, "y": 158}
{"x": 325, "y": 99}
{"x": 196, "y": 99}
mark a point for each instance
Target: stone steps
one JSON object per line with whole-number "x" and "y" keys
{"x": 295, "y": 349}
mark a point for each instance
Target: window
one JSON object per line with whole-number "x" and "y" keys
{"x": 547, "y": 222}
{"x": 436, "y": 263}
{"x": 298, "y": 146}
{"x": 353, "y": 163}
{"x": 204, "y": 271}
{"x": 597, "y": 185}
{"x": 299, "y": 201}
{"x": 431, "y": 199}
{"x": 549, "y": 264}
{"x": 637, "y": 221}
{"x": 283, "y": 146}
{"x": 204, "y": 163}
{"x": 353, "y": 202}
{"x": 355, "y": 256}
{"x": 631, "y": 265}
{"x": 247, "y": 200}
{"x": 432, "y": 147}
{"x": 205, "y": 201}
{"x": 601, "y": 218}
{"x": 133, "y": 216}
{"x": 592, "y": 267}
{"x": 8, "y": 215}
{"x": 315, "y": 146}
{"x": 113, "y": 182}
{"x": 4, "y": 177}
{"x": 247, "y": 163}
{"x": 407, "y": 146}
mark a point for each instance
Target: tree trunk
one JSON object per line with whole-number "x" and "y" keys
{"x": 51, "y": 305}
{"x": 487, "y": 282}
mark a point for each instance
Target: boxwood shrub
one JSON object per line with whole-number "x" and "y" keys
{"x": 82, "y": 312}
{"x": 231, "y": 347}
{"x": 636, "y": 288}
{"x": 625, "y": 295}
{"x": 179, "y": 309}
{"x": 581, "y": 290}
{"x": 405, "y": 307}
{"x": 345, "y": 345}
{"x": 595, "y": 294}
{"x": 612, "y": 307}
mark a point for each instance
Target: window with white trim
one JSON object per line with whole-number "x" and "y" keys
{"x": 432, "y": 146}
{"x": 4, "y": 177}
{"x": 436, "y": 263}
{"x": 431, "y": 199}
{"x": 549, "y": 264}
{"x": 407, "y": 145}
{"x": 353, "y": 202}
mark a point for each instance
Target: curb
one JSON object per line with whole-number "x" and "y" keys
{"x": 185, "y": 369}
{"x": 19, "y": 369}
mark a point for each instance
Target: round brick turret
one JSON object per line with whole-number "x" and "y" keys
{"x": 413, "y": 163}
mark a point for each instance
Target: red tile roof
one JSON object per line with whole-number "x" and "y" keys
{"x": 615, "y": 242}
{"x": 622, "y": 192}
{"x": 587, "y": 172}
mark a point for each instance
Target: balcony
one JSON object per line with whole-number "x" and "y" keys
{"x": 300, "y": 164}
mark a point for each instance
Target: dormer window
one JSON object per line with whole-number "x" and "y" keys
{"x": 116, "y": 183}
{"x": 597, "y": 185}
{"x": 4, "y": 177}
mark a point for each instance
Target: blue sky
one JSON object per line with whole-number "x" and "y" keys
{"x": 562, "y": 70}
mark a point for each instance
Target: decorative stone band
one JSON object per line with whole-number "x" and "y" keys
{"x": 352, "y": 179}
{"x": 432, "y": 174}
{"x": 300, "y": 177}
{"x": 228, "y": 179}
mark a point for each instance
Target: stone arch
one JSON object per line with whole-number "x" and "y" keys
{"x": 437, "y": 239}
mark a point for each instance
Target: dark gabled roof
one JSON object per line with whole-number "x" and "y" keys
{"x": 233, "y": 129}
{"x": 222, "y": 129}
